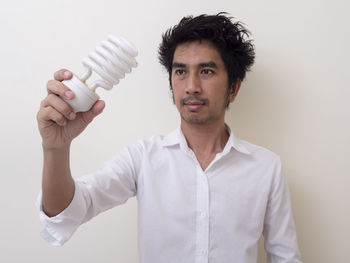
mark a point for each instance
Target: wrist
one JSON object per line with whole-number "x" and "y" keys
{"x": 55, "y": 149}
{"x": 56, "y": 161}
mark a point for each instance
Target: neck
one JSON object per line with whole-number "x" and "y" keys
{"x": 205, "y": 139}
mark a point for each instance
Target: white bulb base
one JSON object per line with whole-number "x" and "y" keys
{"x": 84, "y": 97}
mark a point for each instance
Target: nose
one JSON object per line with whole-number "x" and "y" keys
{"x": 193, "y": 84}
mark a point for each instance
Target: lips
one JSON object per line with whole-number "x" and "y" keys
{"x": 194, "y": 105}
{"x": 194, "y": 102}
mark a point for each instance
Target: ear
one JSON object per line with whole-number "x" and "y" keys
{"x": 234, "y": 89}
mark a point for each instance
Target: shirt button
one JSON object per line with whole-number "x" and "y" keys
{"x": 203, "y": 214}
{"x": 204, "y": 252}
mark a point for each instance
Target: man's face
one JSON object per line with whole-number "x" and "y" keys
{"x": 200, "y": 83}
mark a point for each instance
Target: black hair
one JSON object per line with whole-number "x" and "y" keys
{"x": 230, "y": 39}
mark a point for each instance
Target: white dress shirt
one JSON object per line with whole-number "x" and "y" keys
{"x": 186, "y": 214}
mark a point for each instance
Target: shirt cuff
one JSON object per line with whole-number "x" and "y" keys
{"x": 58, "y": 229}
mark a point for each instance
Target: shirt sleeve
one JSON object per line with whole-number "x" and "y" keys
{"x": 279, "y": 231}
{"x": 94, "y": 193}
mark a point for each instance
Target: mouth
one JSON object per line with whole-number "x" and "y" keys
{"x": 193, "y": 104}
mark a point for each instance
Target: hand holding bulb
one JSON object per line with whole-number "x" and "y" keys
{"x": 71, "y": 103}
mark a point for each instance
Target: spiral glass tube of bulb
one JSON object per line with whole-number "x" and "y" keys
{"x": 111, "y": 61}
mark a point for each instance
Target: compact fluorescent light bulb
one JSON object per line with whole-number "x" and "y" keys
{"x": 111, "y": 60}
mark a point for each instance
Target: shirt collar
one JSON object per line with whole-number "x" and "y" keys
{"x": 234, "y": 142}
{"x": 177, "y": 137}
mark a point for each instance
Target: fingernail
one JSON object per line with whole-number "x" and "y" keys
{"x": 66, "y": 74}
{"x": 68, "y": 94}
{"x": 72, "y": 116}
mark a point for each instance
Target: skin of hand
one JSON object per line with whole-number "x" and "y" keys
{"x": 58, "y": 123}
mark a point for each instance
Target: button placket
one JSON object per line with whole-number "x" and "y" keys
{"x": 202, "y": 220}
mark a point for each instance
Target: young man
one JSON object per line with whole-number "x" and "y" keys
{"x": 203, "y": 194}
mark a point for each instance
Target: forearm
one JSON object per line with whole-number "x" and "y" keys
{"x": 279, "y": 230}
{"x": 57, "y": 183}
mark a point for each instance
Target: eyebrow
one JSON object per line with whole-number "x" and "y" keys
{"x": 178, "y": 65}
{"x": 208, "y": 64}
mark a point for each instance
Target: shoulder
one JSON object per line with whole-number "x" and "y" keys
{"x": 144, "y": 146}
{"x": 133, "y": 156}
{"x": 260, "y": 155}
{"x": 264, "y": 162}
{"x": 147, "y": 144}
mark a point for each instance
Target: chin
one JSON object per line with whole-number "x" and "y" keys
{"x": 195, "y": 120}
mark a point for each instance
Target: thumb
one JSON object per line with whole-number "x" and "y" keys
{"x": 96, "y": 109}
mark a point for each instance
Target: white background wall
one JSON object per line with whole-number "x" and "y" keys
{"x": 294, "y": 102}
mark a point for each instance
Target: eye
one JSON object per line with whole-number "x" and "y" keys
{"x": 180, "y": 72}
{"x": 207, "y": 71}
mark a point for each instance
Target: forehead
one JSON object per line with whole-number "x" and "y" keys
{"x": 195, "y": 52}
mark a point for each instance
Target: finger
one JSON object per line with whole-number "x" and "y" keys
{"x": 58, "y": 88}
{"x": 59, "y": 105}
{"x": 96, "y": 109}
{"x": 50, "y": 114}
{"x": 62, "y": 74}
